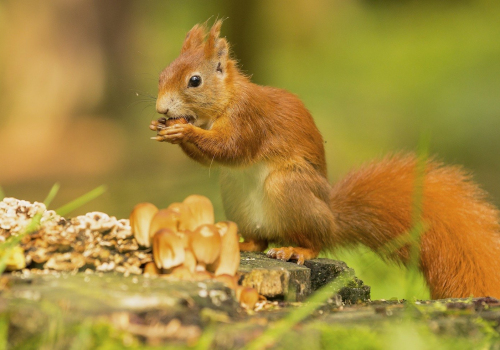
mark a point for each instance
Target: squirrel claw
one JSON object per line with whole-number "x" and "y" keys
{"x": 292, "y": 253}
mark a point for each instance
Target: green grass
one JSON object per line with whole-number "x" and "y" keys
{"x": 387, "y": 280}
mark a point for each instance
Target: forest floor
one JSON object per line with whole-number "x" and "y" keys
{"x": 85, "y": 310}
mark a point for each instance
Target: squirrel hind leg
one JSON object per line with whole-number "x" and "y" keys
{"x": 292, "y": 253}
{"x": 297, "y": 209}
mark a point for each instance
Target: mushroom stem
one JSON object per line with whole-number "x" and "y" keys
{"x": 151, "y": 269}
{"x": 205, "y": 243}
{"x": 228, "y": 261}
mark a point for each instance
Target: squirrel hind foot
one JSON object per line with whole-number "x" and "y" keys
{"x": 292, "y": 253}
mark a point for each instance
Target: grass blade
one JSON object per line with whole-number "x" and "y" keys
{"x": 75, "y": 204}
{"x": 52, "y": 194}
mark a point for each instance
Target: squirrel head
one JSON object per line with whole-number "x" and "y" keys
{"x": 196, "y": 85}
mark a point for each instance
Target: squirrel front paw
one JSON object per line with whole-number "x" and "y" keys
{"x": 174, "y": 134}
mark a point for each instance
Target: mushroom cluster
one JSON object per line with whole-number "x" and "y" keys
{"x": 188, "y": 244}
{"x": 185, "y": 240}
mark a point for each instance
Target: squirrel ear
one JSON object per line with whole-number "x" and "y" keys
{"x": 194, "y": 38}
{"x": 221, "y": 54}
{"x": 221, "y": 49}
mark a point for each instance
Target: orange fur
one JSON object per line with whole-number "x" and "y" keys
{"x": 274, "y": 183}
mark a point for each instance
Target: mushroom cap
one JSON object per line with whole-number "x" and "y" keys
{"x": 205, "y": 243}
{"x": 140, "y": 220}
{"x": 164, "y": 218}
{"x": 168, "y": 249}
{"x": 229, "y": 258}
{"x": 185, "y": 215}
{"x": 247, "y": 297}
{"x": 202, "y": 210}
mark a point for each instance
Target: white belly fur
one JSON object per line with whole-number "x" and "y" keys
{"x": 249, "y": 183}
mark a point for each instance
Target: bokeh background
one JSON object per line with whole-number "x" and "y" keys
{"x": 78, "y": 81}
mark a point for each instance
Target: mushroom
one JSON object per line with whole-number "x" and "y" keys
{"x": 151, "y": 269}
{"x": 140, "y": 219}
{"x": 247, "y": 297}
{"x": 186, "y": 217}
{"x": 229, "y": 258}
{"x": 202, "y": 210}
{"x": 164, "y": 218}
{"x": 205, "y": 243}
{"x": 168, "y": 249}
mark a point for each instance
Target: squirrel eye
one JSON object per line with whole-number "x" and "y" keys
{"x": 194, "y": 81}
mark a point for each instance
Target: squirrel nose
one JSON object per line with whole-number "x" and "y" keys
{"x": 161, "y": 107}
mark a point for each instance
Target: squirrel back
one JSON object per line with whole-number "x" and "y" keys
{"x": 274, "y": 182}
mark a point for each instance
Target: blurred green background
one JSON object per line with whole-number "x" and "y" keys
{"x": 78, "y": 81}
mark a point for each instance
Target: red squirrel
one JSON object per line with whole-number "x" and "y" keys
{"x": 274, "y": 180}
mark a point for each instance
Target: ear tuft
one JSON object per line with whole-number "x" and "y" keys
{"x": 194, "y": 38}
{"x": 213, "y": 41}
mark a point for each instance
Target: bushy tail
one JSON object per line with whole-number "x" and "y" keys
{"x": 460, "y": 243}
